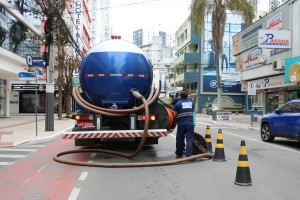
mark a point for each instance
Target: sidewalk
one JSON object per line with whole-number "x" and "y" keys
{"x": 238, "y": 121}
{"x": 21, "y": 128}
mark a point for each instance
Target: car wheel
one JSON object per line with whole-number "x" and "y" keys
{"x": 266, "y": 134}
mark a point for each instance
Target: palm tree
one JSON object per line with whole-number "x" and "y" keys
{"x": 200, "y": 8}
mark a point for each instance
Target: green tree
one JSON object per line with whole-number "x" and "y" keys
{"x": 217, "y": 8}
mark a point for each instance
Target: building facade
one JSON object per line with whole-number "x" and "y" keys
{"x": 160, "y": 57}
{"x": 195, "y": 68}
{"x": 268, "y": 56}
{"x": 19, "y": 35}
{"x": 20, "y": 93}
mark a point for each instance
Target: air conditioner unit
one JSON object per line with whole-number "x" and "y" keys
{"x": 262, "y": 58}
{"x": 278, "y": 64}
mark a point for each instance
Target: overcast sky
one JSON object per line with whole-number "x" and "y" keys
{"x": 127, "y": 16}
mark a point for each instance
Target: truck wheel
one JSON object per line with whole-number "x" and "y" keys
{"x": 266, "y": 134}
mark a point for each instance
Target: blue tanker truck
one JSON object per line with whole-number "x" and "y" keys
{"x": 116, "y": 100}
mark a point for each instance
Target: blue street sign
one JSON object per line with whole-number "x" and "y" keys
{"x": 40, "y": 73}
{"x": 35, "y": 61}
{"x": 26, "y": 76}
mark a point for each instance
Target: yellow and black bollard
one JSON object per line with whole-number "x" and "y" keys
{"x": 243, "y": 176}
{"x": 219, "y": 150}
{"x": 208, "y": 140}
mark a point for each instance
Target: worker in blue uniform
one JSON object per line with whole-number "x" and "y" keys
{"x": 174, "y": 101}
{"x": 185, "y": 128}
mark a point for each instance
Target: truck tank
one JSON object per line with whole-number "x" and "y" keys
{"x": 114, "y": 93}
{"x": 111, "y": 69}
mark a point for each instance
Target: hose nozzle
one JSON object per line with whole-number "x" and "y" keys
{"x": 136, "y": 94}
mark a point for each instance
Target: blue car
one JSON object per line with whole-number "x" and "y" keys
{"x": 283, "y": 122}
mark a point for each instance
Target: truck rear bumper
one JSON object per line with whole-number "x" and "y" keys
{"x": 114, "y": 134}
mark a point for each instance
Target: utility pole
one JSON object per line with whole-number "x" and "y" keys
{"x": 49, "y": 126}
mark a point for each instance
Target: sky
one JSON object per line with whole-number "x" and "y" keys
{"x": 127, "y": 16}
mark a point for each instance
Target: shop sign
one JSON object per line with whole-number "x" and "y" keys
{"x": 231, "y": 77}
{"x": 268, "y": 82}
{"x": 274, "y": 39}
{"x": 275, "y": 22}
{"x": 221, "y": 116}
{"x": 242, "y": 42}
{"x": 248, "y": 59}
{"x": 292, "y": 70}
{"x": 23, "y": 87}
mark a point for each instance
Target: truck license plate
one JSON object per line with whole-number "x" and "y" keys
{"x": 85, "y": 123}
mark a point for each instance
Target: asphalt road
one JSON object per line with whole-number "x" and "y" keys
{"x": 274, "y": 171}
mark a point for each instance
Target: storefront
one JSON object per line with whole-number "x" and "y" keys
{"x": 271, "y": 93}
{"x": 3, "y": 98}
{"x": 24, "y": 99}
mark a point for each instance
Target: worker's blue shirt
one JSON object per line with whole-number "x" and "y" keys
{"x": 184, "y": 109}
{"x": 179, "y": 99}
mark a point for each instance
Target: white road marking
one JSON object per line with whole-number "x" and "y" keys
{"x": 6, "y": 163}
{"x": 83, "y": 176}
{"x": 173, "y": 136}
{"x": 42, "y": 168}
{"x": 31, "y": 146}
{"x": 254, "y": 140}
{"x": 93, "y": 155}
{"x": 10, "y": 149}
{"x": 265, "y": 143}
{"x": 27, "y": 180}
{"x": 74, "y": 194}
{"x": 11, "y": 156}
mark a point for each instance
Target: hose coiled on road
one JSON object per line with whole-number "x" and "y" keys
{"x": 110, "y": 112}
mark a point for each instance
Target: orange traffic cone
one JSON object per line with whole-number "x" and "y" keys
{"x": 243, "y": 176}
{"x": 208, "y": 140}
{"x": 219, "y": 150}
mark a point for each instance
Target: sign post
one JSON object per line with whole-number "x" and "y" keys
{"x": 34, "y": 62}
{"x": 251, "y": 91}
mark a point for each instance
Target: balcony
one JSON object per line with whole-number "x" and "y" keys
{"x": 191, "y": 77}
{"x": 186, "y": 77}
{"x": 186, "y": 58}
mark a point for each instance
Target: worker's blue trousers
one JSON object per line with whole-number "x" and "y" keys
{"x": 184, "y": 131}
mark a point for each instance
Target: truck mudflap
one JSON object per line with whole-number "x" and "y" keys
{"x": 114, "y": 134}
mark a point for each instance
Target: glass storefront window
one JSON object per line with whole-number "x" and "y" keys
{"x": 28, "y": 103}
{"x": 3, "y": 96}
{"x": 16, "y": 37}
{"x": 272, "y": 102}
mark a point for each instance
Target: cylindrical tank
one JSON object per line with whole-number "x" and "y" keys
{"x": 111, "y": 69}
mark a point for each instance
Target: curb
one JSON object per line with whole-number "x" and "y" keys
{"x": 44, "y": 139}
{"x": 235, "y": 126}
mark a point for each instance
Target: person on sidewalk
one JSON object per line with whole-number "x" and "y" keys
{"x": 185, "y": 129}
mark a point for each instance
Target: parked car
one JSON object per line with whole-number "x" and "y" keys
{"x": 210, "y": 108}
{"x": 283, "y": 122}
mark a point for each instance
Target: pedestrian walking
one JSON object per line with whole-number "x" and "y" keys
{"x": 185, "y": 128}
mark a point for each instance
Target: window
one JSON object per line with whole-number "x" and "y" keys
{"x": 288, "y": 108}
{"x": 296, "y": 106}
